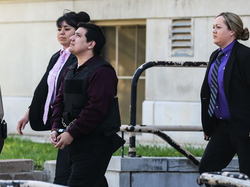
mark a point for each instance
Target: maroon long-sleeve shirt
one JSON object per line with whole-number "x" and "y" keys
{"x": 101, "y": 92}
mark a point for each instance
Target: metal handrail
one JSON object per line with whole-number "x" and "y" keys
{"x": 173, "y": 127}
{"x": 27, "y": 183}
{"x": 170, "y": 141}
{"x": 138, "y": 72}
{"x": 224, "y": 179}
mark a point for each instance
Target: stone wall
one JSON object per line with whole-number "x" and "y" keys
{"x": 121, "y": 172}
{"x": 28, "y": 40}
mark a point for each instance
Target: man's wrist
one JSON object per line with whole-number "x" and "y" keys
{"x": 58, "y": 130}
{"x": 53, "y": 129}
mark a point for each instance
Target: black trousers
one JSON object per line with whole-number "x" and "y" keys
{"x": 222, "y": 147}
{"x": 1, "y": 144}
{"x": 63, "y": 167}
{"x": 89, "y": 157}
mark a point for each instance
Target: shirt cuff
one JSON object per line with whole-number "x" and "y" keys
{"x": 57, "y": 125}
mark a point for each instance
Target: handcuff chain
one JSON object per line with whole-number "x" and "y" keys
{"x": 67, "y": 126}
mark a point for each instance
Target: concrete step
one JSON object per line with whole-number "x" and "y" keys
{"x": 16, "y": 165}
{"x": 19, "y": 169}
{"x": 36, "y": 175}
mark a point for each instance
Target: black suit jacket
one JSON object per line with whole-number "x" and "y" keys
{"x": 40, "y": 95}
{"x": 237, "y": 90}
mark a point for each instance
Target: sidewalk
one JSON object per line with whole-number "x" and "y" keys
{"x": 37, "y": 139}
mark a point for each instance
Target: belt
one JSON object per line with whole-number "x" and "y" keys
{"x": 223, "y": 121}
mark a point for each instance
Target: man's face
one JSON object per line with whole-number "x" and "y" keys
{"x": 78, "y": 43}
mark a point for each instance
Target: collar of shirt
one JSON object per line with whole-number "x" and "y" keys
{"x": 89, "y": 61}
{"x": 67, "y": 52}
{"x": 227, "y": 50}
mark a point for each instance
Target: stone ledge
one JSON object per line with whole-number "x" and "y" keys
{"x": 6, "y": 176}
{"x": 23, "y": 176}
{"x": 129, "y": 171}
{"x": 17, "y": 176}
{"x": 181, "y": 164}
{"x": 39, "y": 176}
{"x": 16, "y": 165}
{"x": 148, "y": 171}
{"x": 118, "y": 163}
{"x": 36, "y": 175}
{"x": 159, "y": 164}
{"x": 49, "y": 170}
{"x": 20, "y": 169}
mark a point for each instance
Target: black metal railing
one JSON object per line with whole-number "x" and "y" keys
{"x": 229, "y": 179}
{"x": 131, "y": 128}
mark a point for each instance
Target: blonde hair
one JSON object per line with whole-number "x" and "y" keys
{"x": 234, "y": 23}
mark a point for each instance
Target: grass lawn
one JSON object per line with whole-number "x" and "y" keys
{"x": 16, "y": 148}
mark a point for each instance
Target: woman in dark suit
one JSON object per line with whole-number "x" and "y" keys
{"x": 225, "y": 97}
{"x": 39, "y": 113}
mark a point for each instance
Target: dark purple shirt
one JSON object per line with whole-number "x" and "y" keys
{"x": 101, "y": 92}
{"x": 221, "y": 107}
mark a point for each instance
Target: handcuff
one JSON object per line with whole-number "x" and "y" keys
{"x": 59, "y": 131}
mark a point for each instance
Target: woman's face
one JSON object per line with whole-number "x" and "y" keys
{"x": 222, "y": 36}
{"x": 64, "y": 33}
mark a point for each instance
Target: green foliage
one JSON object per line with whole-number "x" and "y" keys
{"x": 161, "y": 151}
{"x": 16, "y": 148}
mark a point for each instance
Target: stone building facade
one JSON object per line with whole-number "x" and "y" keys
{"x": 137, "y": 31}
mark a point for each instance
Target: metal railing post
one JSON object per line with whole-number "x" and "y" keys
{"x": 133, "y": 103}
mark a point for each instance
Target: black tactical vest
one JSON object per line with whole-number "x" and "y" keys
{"x": 75, "y": 98}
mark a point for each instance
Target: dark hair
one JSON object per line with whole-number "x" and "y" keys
{"x": 72, "y": 18}
{"x": 94, "y": 33}
{"x": 234, "y": 23}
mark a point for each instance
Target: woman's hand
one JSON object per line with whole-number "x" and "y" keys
{"x": 53, "y": 137}
{"x": 206, "y": 137}
{"x": 22, "y": 122}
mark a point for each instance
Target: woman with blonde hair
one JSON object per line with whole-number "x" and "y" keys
{"x": 225, "y": 97}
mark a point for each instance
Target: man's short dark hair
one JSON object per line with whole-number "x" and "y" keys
{"x": 94, "y": 33}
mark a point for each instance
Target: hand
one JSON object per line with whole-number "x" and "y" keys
{"x": 63, "y": 140}
{"x": 53, "y": 137}
{"x": 206, "y": 137}
{"x": 22, "y": 122}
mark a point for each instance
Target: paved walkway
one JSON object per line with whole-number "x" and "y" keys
{"x": 38, "y": 139}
